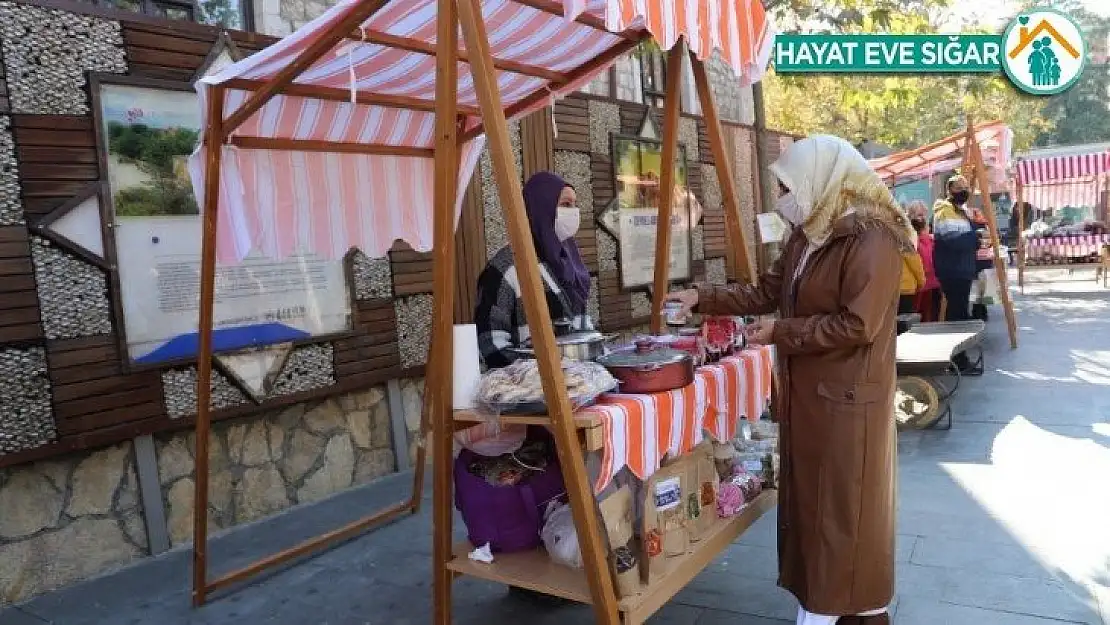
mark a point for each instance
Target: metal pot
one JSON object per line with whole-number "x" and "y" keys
{"x": 587, "y": 346}
{"x": 650, "y": 368}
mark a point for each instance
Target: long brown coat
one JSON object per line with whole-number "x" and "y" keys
{"x": 835, "y": 341}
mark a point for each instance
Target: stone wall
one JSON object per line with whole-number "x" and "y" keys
{"x": 65, "y": 520}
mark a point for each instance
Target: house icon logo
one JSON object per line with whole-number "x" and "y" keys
{"x": 1045, "y": 51}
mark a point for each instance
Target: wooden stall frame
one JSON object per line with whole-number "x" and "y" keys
{"x": 974, "y": 159}
{"x": 439, "y": 418}
{"x": 973, "y": 166}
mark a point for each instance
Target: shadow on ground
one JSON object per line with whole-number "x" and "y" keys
{"x": 1002, "y": 521}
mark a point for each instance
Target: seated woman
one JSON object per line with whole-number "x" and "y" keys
{"x": 554, "y": 219}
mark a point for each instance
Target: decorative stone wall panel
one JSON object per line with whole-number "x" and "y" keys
{"x": 574, "y": 167}
{"x": 715, "y": 271}
{"x": 697, "y": 243}
{"x": 605, "y": 120}
{"x": 606, "y": 251}
{"x": 497, "y": 236}
{"x": 414, "y": 328}
{"x": 73, "y": 295}
{"x": 26, "y": 416}
{"x": 688, "y": 137}
{"x": 641, "y": 304}
{"x": 179, "y": 388}
{"x": 308, "y": 368}
{"x": 47, "y": 53}
{"x": 11, "y": 207}
{"x": 593, "y": 303}
{"x": 373, "y": 277}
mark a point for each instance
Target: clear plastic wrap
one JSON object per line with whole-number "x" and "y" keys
{"x": 559, "y": 537}
{"x": 518, "y": 388}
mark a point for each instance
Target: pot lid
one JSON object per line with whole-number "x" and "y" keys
{"x": 574, "y": 338}
{"x": 644, "y": 354}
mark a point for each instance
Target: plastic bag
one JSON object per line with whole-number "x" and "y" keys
{"x": 518, "y": 388}
{"x": 989, "y": 281}
{"x": 559, "y": 537}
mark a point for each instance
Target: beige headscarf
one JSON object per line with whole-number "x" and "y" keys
{"x": 830, "y": 179}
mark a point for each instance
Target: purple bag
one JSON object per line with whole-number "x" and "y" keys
{"x": 509, "y": 518}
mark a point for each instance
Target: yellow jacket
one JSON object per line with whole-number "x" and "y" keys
{"x": 913, "y": 274}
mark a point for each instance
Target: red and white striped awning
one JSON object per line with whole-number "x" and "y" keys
{"x": 1077, "y": 193}
{"x": 995, "y": 141}
{"x": 1057, "y": 169}
{"x": 379, "y": 84}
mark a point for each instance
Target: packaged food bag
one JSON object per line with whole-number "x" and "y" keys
{"x": 702, "y": 500}
{"x": 664, "y": 535}
{"x": 617, "y": 515}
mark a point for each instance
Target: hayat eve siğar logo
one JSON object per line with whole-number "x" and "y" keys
{"x": 1044, "y": 51}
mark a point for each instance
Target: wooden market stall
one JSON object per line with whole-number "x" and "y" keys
{"x": 973, "y": 151}
{"x": 1057, "y": 183}
{"x": 374, "y": 104}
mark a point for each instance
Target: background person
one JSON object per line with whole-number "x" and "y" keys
{"x": 927, "y": 302}
{"x": 835, "y": 287}
{"x": 913, "y": 280}
{"x": 553, "y": 217}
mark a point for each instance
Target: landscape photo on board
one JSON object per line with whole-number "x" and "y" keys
{"x": 149, "y": 133}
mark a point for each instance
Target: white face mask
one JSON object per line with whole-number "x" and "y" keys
{"x": 787, "y": 206}
{"x": 567, "y": 220}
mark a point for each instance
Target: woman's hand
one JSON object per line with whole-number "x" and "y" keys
{"x": 688, "y": 299}
{"x": 760, "y": 332}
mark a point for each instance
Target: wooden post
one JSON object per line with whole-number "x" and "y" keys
{"x": 438, "y": 395}
{"x": 980, "y": 171}
{"x": 214, "y": 139}
{"x": 672, "y": 105}
{"x": 764, "y": 186}
{"x": 745, "y": 267}
{"x": 582, "y": 503}
{"x": 1020, "y": 236}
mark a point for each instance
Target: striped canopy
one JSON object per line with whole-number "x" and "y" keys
{"x": 1059, "y": 169}
{"x": 376, "y": 85}
{"x": 995, "y": 141}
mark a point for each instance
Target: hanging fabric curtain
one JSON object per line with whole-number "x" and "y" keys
{"x": 298, "y": 173}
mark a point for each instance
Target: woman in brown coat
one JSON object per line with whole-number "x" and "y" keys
{"x": 835, "y": 288}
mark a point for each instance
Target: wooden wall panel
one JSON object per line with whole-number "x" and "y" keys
{"x": 470, "y": 252}
{"x": 573, "y": 122}
{"x": 412, "y": 271}
{"x": 4, "y": 104}
{"x": 371, "y": 355}
{"x": 92, "y": 392}
{"x": 19, "y": 303}
{"x": 170, "y": 53}
{"x": 57, "y": 159}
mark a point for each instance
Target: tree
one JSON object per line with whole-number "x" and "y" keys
{"x": 1081, "y": 114}
{"x": 901, "y": 111}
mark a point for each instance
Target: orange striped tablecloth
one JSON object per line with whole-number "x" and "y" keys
{"x": 640, "y": 430}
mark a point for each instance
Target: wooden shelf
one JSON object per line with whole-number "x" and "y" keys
{"x": 534, "y": 570}
{"x": 589, "y": 425}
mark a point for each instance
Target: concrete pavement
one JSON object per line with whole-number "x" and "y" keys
{"x": 1002, "y": 521}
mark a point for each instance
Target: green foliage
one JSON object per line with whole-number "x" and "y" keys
{"x": 158, "y": 153}
{"x": 900, "y": 111}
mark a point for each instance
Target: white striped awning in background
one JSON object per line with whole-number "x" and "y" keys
{"x": 281, "y": 202}
{"x": 1057, "y": 169}
{"x": 995, "y": 141}
{"x": 1077, "y": 192}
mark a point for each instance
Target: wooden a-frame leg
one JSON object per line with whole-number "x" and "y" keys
{"x": 671, "y": 108}
{"x": 571, "y": 460}
{"x": 438, "y": 391}
{"x": 745, "y": 264}
{"x": 214, "y": 141}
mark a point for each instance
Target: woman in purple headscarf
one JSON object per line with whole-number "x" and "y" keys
{"x": 554, "y": 218}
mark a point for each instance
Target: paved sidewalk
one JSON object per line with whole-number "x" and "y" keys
{"x": 1003, "y": 521}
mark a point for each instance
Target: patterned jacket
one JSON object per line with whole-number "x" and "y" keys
{"x": 499, "y": 315}
{"x": 954, "y": 243}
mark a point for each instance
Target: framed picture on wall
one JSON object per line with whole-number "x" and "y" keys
{"x": 632, "y": 217}
{"x": 146, "y": 131}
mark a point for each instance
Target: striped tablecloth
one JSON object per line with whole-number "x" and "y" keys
{"x": 1072, "y": 246}
{"x": 640, "y": 430}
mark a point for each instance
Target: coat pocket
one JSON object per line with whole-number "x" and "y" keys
{"x": 850, "y": 393}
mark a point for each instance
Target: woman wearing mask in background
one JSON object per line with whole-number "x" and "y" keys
{"x": 835, "y": 287}
{"x": 955, "y": 244}
{"x": 553, "y": 218}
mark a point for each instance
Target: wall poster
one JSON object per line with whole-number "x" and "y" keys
{"x": 633, "y": 215}
{"x": 145, "y": 136}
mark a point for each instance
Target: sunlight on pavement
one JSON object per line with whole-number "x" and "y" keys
{"x": 1049, "y": 492}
